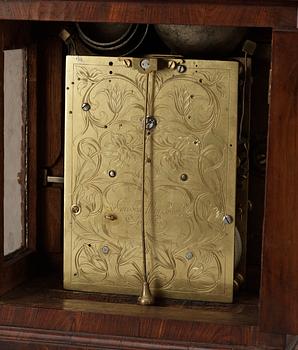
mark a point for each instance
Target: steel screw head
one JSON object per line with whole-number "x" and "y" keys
{"x": 188, "y": 255}
{"x": 86, "y": 107}
{"x": 171, "y": 64}
{"x": 181, "y": 68}
{"x": 183, "y": 177}
{"x": 112, "y": 173}
{"x": 75, "y": 209}
{"x": 227, "y": 219}
{"x": 145, "y": 64}
{"x": 127, "y": 63}
{"x": 105, "y": 249}
{"x": 151, "y": 122}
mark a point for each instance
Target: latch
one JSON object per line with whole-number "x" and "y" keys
{"x": 47, "y": 179}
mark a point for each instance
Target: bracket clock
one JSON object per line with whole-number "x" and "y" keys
{"x": 132, "y": 173}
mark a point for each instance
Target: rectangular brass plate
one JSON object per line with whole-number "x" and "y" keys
{"x": 189, "y": 184}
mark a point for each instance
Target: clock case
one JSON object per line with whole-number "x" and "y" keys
{"x": 43, "y": 256}
{"x": 42, "y": 58}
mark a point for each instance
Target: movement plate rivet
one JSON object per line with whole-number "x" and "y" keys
{"x": 105, "y": 249}
{"x": 189, "y": 255}
{"x": 112, "y": 173}
{"x": 183, "y": 177}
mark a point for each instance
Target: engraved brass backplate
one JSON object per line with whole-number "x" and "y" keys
{"x": 190, "y": 177}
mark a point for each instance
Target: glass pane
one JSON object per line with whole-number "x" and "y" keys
{"x": 15, "y": 145}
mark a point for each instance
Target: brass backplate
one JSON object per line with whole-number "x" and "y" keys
{"x": 190, "y": 176}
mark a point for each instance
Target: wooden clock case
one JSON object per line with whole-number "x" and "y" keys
{"x": 35, "y": 311}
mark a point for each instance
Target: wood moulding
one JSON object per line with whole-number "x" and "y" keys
{"x": 50, "y": 313}
{"x": 34, "y": 339}
{"x": 242, "y": 13}
{"x": 279, "y": 287}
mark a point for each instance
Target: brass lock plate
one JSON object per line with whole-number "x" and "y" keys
{"x": 189, "y": 183}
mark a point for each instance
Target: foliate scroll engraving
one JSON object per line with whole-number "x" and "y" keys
{"x": 188, "y": 247}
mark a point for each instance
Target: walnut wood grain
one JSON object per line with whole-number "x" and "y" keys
{"x": 160, "y": 325}
{"x": 279, "y": 286}
{"x": 51, "y": 322}
{"x": 50, "y": 136}
{"x": 172, "y": 12}
{"x": 2, "y": 45}
{"x": 50, "y": 78}
{"x": 42, "y": 310}
{"x": 28, "y": 339}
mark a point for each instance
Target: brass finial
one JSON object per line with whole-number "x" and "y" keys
{"x": 146, "y": 297}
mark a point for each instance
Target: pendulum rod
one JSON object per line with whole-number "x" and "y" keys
{"x": 143, "y": 181}
{"x": 146, "y": 297}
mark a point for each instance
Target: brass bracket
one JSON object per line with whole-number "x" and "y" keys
{"x": 145, "y": 65}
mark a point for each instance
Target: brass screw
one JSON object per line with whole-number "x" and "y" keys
{"x": 75, "y": 209}
{"x": 171, "y": 64}
{"x": 127, "y": 63}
